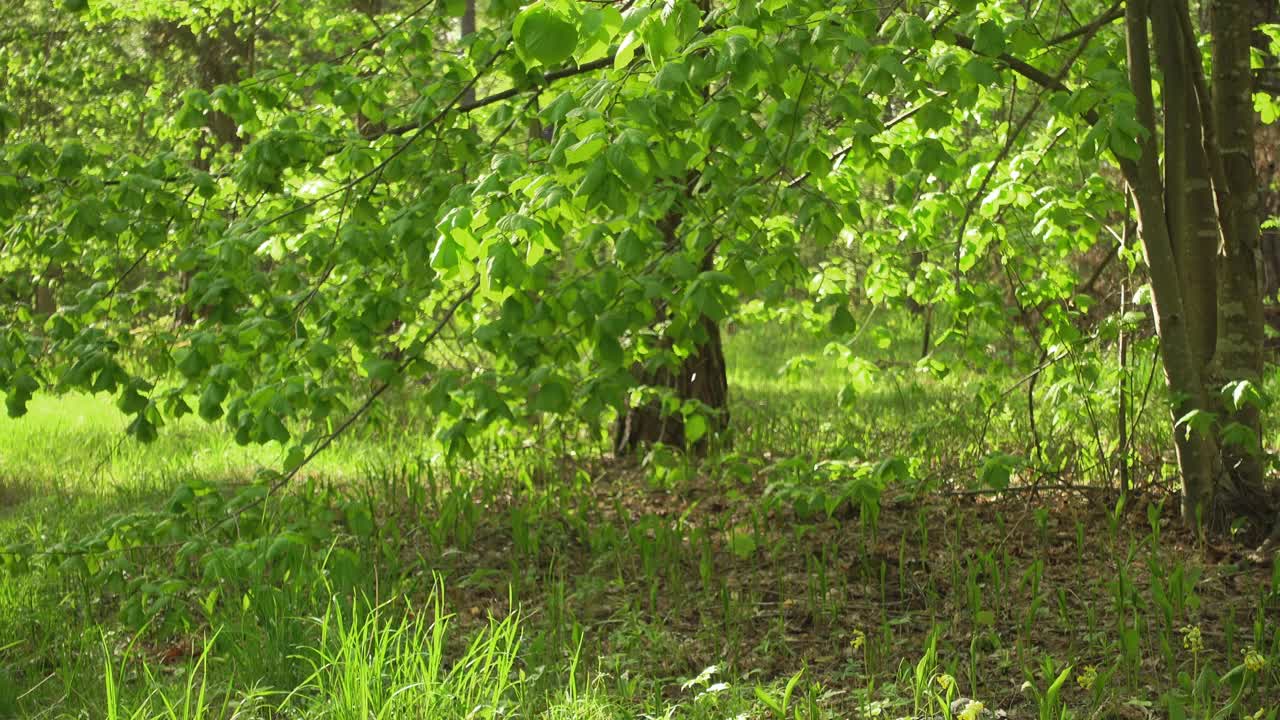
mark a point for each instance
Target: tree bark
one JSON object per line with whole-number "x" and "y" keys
{"x": 1241, "y": 335}
{"x": 701, "y": 376}
{"x": 46, "y": 303}
{"x": 467, "y": 26}
{"x": 1197, "y": 449}
{"x": 1199, "y": 228}
{"x": 1188, "y": 196}
{"x": 221, "y": 55}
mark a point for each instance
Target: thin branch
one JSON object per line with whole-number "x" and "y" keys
{"x": 1012, "y": 139}
{"x": 1115, "y": 13}
{"x": 319, "y": 447}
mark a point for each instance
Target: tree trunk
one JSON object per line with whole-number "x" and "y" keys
{"x": 1197, "y": 449}
{"x": 467, "y": 26}
{"x": 469, "y": 18}
{"x": 1199, "y": 228}
{"x": 46, "y": 303}
{"x": 701, "y": 376}
{"x": 221, "y": 55}
{"x": 1241, "y": 336}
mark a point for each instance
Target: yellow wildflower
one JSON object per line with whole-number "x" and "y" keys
{"x": 1087, "y": 677}
{"x": 858, "y": 639}
{"x": 1254, "y": 661}
{"x": 1191, "y": 639}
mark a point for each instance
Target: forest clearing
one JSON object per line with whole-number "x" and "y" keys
{"x": 662, "y": 359}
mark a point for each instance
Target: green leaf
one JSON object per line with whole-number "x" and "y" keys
{"x": 695, "y": 427}
{"x": 552, "y": 396}
{"x": 988, "y": 39}
{"x": 545, "y": 35}
{"x": 359, "y": 519}
{"x": 743, "y": 544}
{"x": 770, "y": 701}
{"x": 609, "y": 350}
{"x": 445, "y": 255}
{"x": 211, "y": 402}
{"x": 189, "y": 361}
{"x": 1244, "y": 394}
{"x": 15, "y": 403}
{"x": 1194, "y": 421}
{"x": 142, "y": 428}
{"x": 671, "y": 77}
{"x": 660, "y": 39}
{"x": 380, "y": 369}
{"x": 626, "y": 50}
{"x": 998, "y": 469}
{"x": 75, "y": 6}
{"x": 131, "y": 402}
{"x": 842, "y": 322}
{"x": 585, "y": 149}
{"x": 915, "y": 31}
{"x": 932, "y": 155}
{"x": 8, "y": 121}
{"x": 1051, "y": 696}
{"x": 816, "y": 162}
{"x": 287, "y": 545}
{"x": 274, "y": 428}
{"x": 982, "y": 71}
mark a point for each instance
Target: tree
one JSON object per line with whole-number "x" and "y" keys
{"x": 694, "y": 158}
{"x": 1203, "y": 214}
{"x": 1198, "y": 209}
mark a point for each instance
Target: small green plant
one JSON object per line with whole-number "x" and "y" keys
{"x": 779, "y": 704}
{"x": 1049, "y": 705}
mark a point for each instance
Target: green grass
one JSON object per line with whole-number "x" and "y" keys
{"x": 801, "y": 571}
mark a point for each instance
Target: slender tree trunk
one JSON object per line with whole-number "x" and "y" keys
{"x": 1196, "y": 446}
{"x": 469, "y": 18}
{"x": 46, "y": 302}
{"x": 1199, "y": 226}
{"x": 1241, "y": 336}
{"x": 467, "y": 26}
{"x": 1188, "y": 195}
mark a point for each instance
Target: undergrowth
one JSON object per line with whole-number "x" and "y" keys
{"x": 894, "y": 545}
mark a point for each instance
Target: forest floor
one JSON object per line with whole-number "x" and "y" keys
{"x": 838, "y": 560}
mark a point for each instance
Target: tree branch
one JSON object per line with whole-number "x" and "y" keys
{"x": 1115, "y": 13}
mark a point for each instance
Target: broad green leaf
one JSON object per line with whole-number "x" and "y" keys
{"x": 274, "y": 428}
{"x": 552, "y": 396}
{"x": 585, "y": 149}
{"x": 997, "y": 470}
{"x": 131, "y": 402}
{"x": 695, "y": 427}
{"x": 982, "y": 71}
{"x": 545, "y": 34}
{"x": 842, "y": 322}
{"x": 988, "y": 39}
{"x": 142, "y": 429}
{"x": 626, "y": 50}
{"x": 743, "y": 544}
